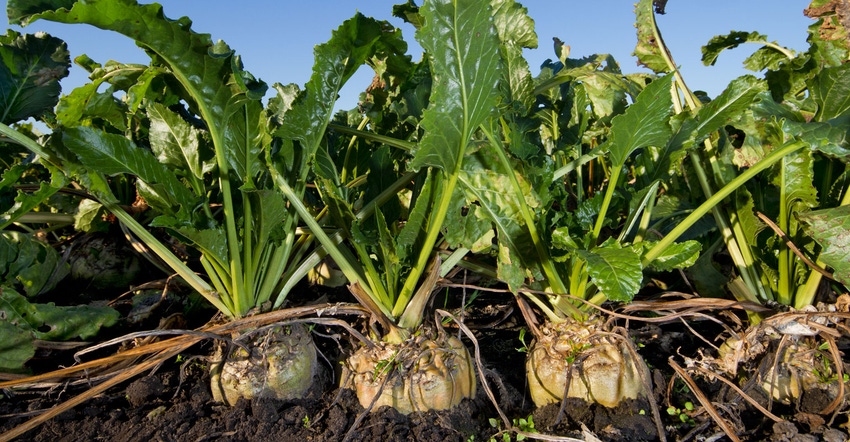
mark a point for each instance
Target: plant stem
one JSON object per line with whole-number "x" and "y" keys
{"x": 718, "y": 196}
{"x": 433, "y": 229}
{"x": 554, "y": 279}
{"x": 733, "y": 236}
{"x": 616, "y": 171}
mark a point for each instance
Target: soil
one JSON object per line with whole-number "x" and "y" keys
{"x": 174, "y": 403}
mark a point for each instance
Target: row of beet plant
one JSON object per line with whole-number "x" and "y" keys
{"x": 572, "y": 187}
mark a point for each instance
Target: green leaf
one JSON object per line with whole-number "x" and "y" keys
{"x": 26, "y": 201}
{"x": 174, "y": 141}
{"x": 829, "y": 137}
{"x": 796, "y": 182}
{"x": 616, "y": 271}
{"x": 467, "y": 226}
{"x": 411, "y": 235}
{"x": 89, "y": 217}
{"x": 607, "y": 93}
{"x": 72, "y": 107}
{"x": 485, "y": 191}
{"x": 16, "y": 345}
{"x": 728, "y": 106}
{"x": 660, "y": 162}
{"x": 831, "y": 229}
{"x": 678, "y": 256}
{"x": 645, "y": 123}
{"x": 706, "y": 277}
{"x": 112, "y": 154}
{"x": 766, "y": 57}
{"x": 202, "y": 68}
{"x": 30, "y": 264}
{"x": 30, "y": 69}
{"x": 54, "y": 323}
{"x": 830, "y": 90}
{"x": 246, "y": 137}
{"x": 211, "y": 242}
{"x": 335, "y": 62}
{"x": 23, "y": 322}
{"x": 516, "y": 31}
{"x": 271, "y": 211}
{"x": 462, "y": 46}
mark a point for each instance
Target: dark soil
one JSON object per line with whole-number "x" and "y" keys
{"x": 174, "y": 402}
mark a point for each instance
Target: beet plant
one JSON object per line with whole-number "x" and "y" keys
{"x": 391, "y": 260}
{"x": 192, "y": 134}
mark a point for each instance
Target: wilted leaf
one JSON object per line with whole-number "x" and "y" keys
{"x": 647, "y": 49}
{"x": 764, "y": 58}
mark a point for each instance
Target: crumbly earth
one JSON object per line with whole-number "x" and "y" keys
{"x": 159, "y": 407}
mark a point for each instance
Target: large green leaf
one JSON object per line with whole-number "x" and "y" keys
{"x": 203, "y": 69}
{"x": 30, "y": 69}
{"x": 462, "y": 46}
{"x": 645, "y": 123}
{"x": 616, "y": 271}
{"x": 831, "y": 229}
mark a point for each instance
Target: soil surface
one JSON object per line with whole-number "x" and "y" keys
{"x": 174, "y": 403}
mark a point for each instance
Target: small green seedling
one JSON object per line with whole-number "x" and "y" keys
{"x": 683, "y": 413}
{"x": 522, "y": 424}
{"x": 524, "y": 348}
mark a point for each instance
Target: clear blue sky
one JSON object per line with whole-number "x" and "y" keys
{"x": 276, "y": 37}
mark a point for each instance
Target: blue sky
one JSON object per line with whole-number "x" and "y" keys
{"x": 276, "y": 37}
